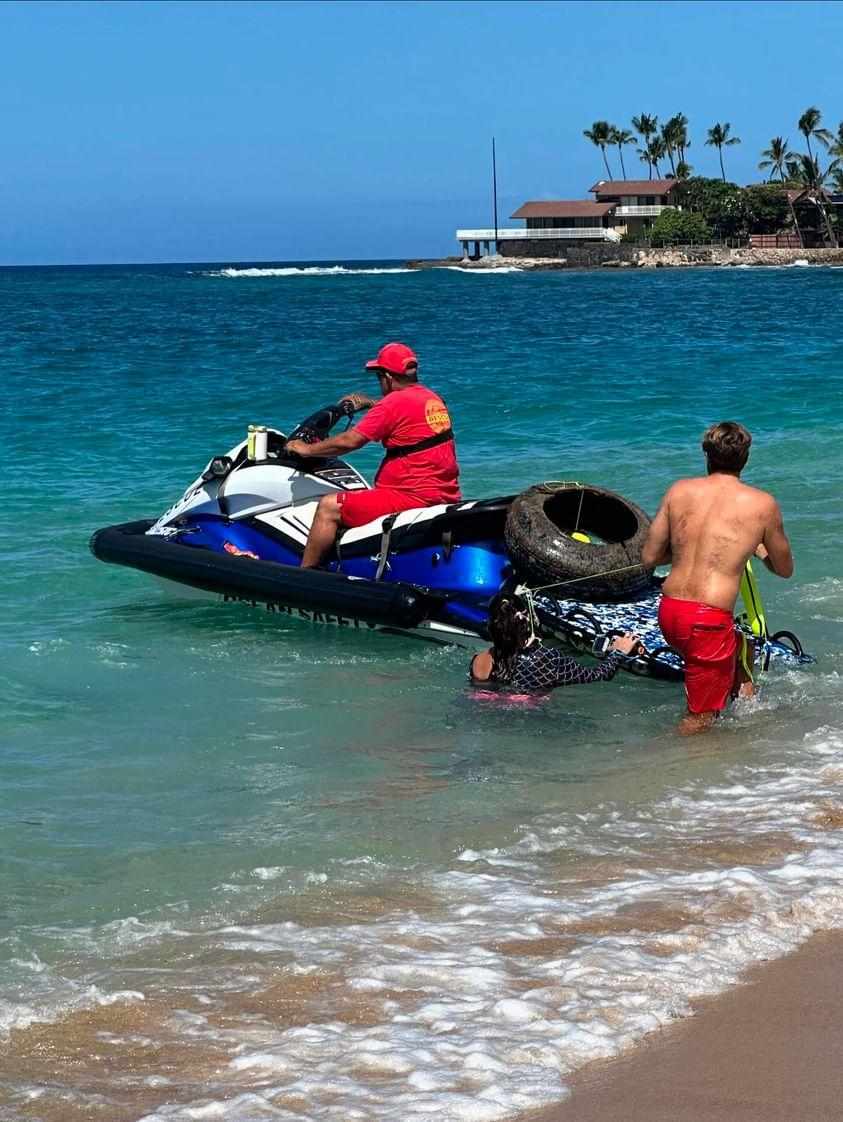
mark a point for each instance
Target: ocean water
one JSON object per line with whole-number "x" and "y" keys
{"x": 257, "y": 869}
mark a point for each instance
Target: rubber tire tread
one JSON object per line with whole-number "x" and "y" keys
{"x": 544, "y": 554}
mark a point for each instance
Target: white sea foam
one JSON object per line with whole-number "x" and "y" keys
{"x": 59, "y": 1002}
{"x": 479, "y": 1045}
{"x": 829, "y": 589}
{"x": 485, "y": 272}
{"x": 269, "y": 872}
{"x": 490, "y": 1027}
{"x": 299, "y": 271}
{"x": 823, "y": 599}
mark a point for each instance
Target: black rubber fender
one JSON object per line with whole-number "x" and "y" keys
{"x": 538, "y": 538}
{"x": 243, "y": 578}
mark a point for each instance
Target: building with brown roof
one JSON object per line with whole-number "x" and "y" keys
{"x": 549, "y": 225}
{"x": 621, "y": 206}
{"x": 561, "y": 214}
{"x": 637, "y": 201}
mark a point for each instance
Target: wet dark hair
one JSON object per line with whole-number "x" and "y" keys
{"x": 509, "y": 630}
{"x": 726, "y": 446}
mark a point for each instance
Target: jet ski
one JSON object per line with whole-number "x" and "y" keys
{"x": 239, "y": 530}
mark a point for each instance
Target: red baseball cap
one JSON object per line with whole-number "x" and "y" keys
{"x": 394, "y": 358}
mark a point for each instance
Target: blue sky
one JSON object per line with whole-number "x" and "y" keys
{"x": 242, "y": 131}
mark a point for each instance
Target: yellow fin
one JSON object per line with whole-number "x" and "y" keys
{"x": 752, "y": 602}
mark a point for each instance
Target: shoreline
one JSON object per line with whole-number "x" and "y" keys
{"x": 764, "y": 1051}
{"x": 638, "y": 257}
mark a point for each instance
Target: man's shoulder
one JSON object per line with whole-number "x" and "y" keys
{"x": 759, "y": 500}
{"x": 684, "y": 486}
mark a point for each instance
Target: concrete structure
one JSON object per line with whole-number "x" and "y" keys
{"x": 478, "y": 243}
{"x": 550, "y": 226}
{"x": 570, "y": 221}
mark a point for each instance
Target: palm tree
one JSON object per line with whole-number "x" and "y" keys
{"x": 837, "y": 180}
{"x": 645, "y": 126}
{"x": 806, "y": 171}
{"x": 776, "y": 157}
{"x": 600, "y": 135}
{"x": 718, "y": 137}
{"x": 683, "y": 170}
{"x": 836, "y": 146}
{"x": 675, "y": 137}
{"x": 809, "y": 125}
{"x": 620, "y": 137}
{"x": 667, "y": 140}
{"x": 655, "y": 151}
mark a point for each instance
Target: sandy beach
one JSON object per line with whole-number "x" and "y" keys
{"x": 767, "y": 1051}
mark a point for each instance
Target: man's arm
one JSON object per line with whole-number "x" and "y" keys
{"x": 774, "y": 549}
{"x": 347, "y": 441}
{"x": 656, "y": 549}
{"x": 359, "y": 401}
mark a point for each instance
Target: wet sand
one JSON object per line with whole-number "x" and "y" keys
{"x": 767, "y": 1051}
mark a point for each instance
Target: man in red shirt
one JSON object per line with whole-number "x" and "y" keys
{"x": 419, "y": 468}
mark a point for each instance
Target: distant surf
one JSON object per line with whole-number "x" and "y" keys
{"x": 482, "y": 272}
{"x": 300, "y": 271}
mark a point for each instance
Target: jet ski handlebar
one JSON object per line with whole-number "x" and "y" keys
{"x": 319, "y": 424}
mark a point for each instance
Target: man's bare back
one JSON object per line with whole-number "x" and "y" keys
{"x": 707, "y": 528}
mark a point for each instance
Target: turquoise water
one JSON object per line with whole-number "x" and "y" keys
{"x": 202, "y": 803}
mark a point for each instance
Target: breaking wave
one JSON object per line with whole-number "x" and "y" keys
{"x": 301, "y": 271}
{"x": 484, "y": 271}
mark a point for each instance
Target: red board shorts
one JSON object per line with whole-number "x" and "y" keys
{"x": 706, "y": 639}
{"x": 359, "y": 507}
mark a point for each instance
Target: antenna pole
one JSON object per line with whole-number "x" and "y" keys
{"x": 495, "y": 192}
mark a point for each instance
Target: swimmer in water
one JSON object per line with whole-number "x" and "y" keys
{"x": 520, "y": 662}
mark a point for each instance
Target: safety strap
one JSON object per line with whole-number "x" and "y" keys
{"x": 386, "y": 537}
{"x": 400, "y": 450}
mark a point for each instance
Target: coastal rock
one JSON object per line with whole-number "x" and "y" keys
{"x": 630, "y": 256}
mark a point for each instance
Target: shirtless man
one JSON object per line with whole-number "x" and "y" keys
{"x": 707, "y": 528}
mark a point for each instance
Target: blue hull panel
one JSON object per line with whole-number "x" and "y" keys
{"x": 474, "y": 571}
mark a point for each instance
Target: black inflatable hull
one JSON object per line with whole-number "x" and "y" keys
{"x": 244, "y": 578}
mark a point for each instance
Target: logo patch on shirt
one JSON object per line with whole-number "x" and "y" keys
{"x": 436, "y": 415}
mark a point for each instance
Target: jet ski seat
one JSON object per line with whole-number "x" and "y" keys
{"x": 443, "y": 525}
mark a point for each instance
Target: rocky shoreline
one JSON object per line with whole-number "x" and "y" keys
{"x": 637, "y": 257}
